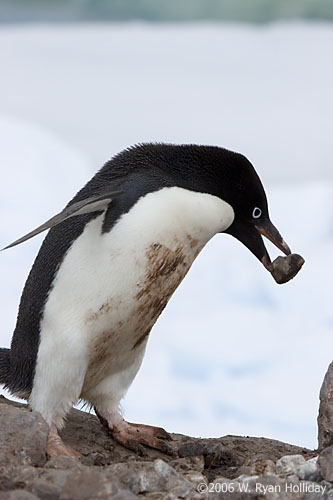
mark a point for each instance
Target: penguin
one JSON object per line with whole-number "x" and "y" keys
{"x": 107, "y": 268}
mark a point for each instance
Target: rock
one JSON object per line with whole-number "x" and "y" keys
{"x": 84, "y": 483}
{"x": 171, "y": 478}
{"x": 303, "y": 490}
{"x": 152, "y": 477}
{"x": 327, "y": 489}
{"x": 215, "y": 456}
{"x": 17, "y": 495}
{"x": 246, "y": 479}
{"x": 246, "y": 470}
{"x": 309, "y": 470}
{"x": 226, "y": 489}
{"x": 257, "y": 467}
{"x": 92, "y": 483}
{"x": 285, "y": 269}
{"x": 255, "y": 487}
{"x": 325, "y": 416}
{"x": 264, "y": 467}
{"x": 188, "y": 464}
{"x": 23, "y": 435}
{"x": 49, "y": 484}
{"x": 195, "y": 478}
{"x": 110, "y": 471}
{"x": 192, "y": 449}
{"x": 287, "y": 465}
{"x": 191, "y": 468}
{"x": 13, "y": 478}
{"x": 325, "y": 462}
{"x": 248, "y": 451}
{"x": 63, "y": 463}
{"x": 266, "y": 486}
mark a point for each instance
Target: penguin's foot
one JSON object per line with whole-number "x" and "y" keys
{"x": 56, "y": 446}
{"x": 133, "y": 436}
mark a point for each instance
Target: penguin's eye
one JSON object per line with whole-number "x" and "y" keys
{"x": 256, "y": 213}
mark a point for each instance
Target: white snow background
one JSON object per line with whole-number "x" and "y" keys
{"x": 233, "y": 353}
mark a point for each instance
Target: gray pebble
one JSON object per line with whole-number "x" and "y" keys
{"x": 287, "y": 465}
{"x": 285, "y": 269}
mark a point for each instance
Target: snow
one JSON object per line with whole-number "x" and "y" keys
{"x": 233, "y": 353}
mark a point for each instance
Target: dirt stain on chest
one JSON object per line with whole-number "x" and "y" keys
{"x": 165, "y": 269}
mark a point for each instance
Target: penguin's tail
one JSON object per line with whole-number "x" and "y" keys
{"x": 4, "y": 366}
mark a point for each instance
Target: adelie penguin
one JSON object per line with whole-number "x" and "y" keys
{"x": 107, "y": 268}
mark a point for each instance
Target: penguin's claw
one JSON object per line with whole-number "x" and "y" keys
{"x": 133, "y": 436}
{"x": 157, "y": 432}
{"x": 56, "y": 447}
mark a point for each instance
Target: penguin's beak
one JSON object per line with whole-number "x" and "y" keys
{"x": 251, "y": 236}
{"x": 268, "y": 230}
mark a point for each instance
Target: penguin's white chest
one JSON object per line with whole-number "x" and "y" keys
{"x": 119, "y": 325}
{"x": 111, "y": 287}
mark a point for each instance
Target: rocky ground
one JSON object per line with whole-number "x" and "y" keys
{"x": 230, "y": 467}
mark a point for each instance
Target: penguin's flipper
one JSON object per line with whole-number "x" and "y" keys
{"x": 97, "y": 203}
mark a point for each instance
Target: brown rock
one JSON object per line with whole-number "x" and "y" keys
{"x": 325, "y": 416}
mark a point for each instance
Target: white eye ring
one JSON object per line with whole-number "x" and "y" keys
{"x": 256, "y": 213}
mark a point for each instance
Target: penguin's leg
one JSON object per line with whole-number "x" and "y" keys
{"x": 106, "y": 397}
{"x": 133, "y": 436}
{"x": 55, "y": 445}
{"x": 57, "y": 384}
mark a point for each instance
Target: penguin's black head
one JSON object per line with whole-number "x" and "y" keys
{"x": 244, "y": 191}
